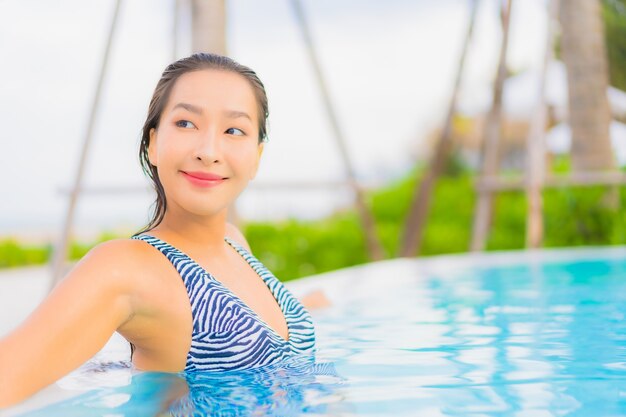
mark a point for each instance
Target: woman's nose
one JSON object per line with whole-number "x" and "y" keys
{"x": 209, "y": 147}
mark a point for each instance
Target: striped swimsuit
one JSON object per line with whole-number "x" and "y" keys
{"x": 227, "y": 334}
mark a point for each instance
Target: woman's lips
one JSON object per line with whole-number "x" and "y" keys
{"x": 200, "y": 182}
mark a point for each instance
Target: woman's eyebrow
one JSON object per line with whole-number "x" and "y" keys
{"x": 234, "y": 114}
{"x": 188, "y": 107}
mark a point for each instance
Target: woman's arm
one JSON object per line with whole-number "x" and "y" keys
{"x": 70, "y": 326}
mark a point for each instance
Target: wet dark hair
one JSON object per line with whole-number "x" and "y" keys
{"x": 160, "y": 97}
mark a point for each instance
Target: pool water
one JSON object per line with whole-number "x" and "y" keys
{"x": 515, "y": 334}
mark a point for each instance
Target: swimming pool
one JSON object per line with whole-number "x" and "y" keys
{"x": 538, "y": 333}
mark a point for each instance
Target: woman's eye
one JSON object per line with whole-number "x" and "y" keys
{"x": 235, "y": 131}
{"x": 185, "y": 124}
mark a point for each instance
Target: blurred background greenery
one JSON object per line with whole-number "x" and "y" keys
{"x": 293, "y": 248}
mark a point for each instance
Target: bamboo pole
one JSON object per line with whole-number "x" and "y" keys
{"x": 60, "y": 251}
{"x": 482, "y": 213}
{"x": 373, "y": 245}
{"x": 536, "y": 146}
{"x": 420, "y": 206}
{"x": 583, "y": 179}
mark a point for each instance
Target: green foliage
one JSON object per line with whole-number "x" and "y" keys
{"x": 449, "y": 221}
{"x": 10, "y": 253}
{"x": 614, "y": 12}
{"x": 292, "y": 248}
{"x": 390, "y": 205}
{"x": 14, "y": 254}
{"x": 561, "y": 164}
{"x": 583, "y": 216}
{"x": 508, "y": 222}
{"x": 572, "y": 216}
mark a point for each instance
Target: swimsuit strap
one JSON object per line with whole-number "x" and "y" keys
{"x": 257, "y": 265}
{"x": 180, "y": 258}
{"x": 188, "y": 269}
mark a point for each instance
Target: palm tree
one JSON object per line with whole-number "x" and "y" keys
{"x": 584, "y": 53}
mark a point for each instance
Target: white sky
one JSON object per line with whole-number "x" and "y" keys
{"x": 389, "y": 66}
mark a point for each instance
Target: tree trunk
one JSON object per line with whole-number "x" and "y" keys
{"x": 208, "y": 26}
{"x": 584, "y": 54}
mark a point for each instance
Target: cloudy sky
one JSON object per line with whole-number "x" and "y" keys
{"x": 389, "y": 66}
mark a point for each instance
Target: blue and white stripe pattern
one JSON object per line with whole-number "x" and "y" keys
{"x": 227, "y": 334}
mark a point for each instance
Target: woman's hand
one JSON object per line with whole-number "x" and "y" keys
{"x": 315, "y": 299}
{"x": 70, "y": 326}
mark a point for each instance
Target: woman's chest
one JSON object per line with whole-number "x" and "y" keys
{"x": 243, "y": 292}
{"x": 214, "y": 295}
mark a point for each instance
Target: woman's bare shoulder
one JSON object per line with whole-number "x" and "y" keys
{"x": 124, "y": 247}
{"x": 123, "y": 257}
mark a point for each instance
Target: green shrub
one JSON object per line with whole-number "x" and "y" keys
{"x": 13, "y": 254}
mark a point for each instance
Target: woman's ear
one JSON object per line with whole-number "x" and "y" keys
{"x": 152, "y": 147}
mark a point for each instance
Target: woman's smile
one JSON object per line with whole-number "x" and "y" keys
{"x": 204, "y": 180}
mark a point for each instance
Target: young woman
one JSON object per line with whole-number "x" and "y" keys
{"x": 185, "y": 291}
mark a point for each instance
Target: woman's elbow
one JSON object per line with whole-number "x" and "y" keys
{"x": 8, "y": 397}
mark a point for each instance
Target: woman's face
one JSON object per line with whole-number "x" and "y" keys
{"x": 208, "y": 126}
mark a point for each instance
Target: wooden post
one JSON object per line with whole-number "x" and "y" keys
{"x": 535, "y": 166}
{"x": 420, "y": 206}
{"x": 60, "y": 251}
{"x": 482, "y": 213}
{"x": 208, "y": 26}
{"x": 373, "y": 245}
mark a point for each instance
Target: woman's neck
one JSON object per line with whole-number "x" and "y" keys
{"x": 201, "y": 232}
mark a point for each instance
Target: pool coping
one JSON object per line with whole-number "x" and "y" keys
{"x": 343, "y": 281}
